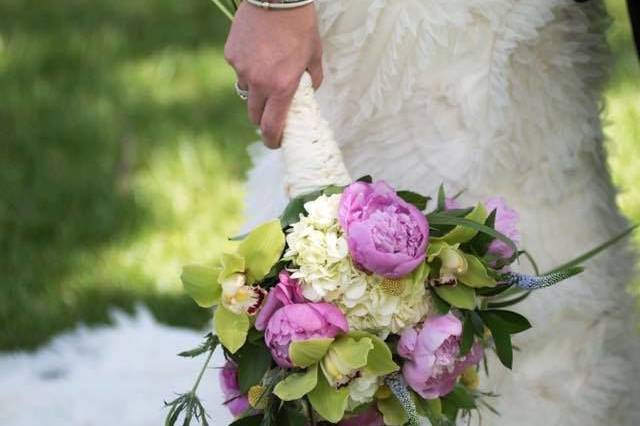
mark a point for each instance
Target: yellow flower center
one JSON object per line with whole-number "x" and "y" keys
{"x": 470, "y": 378}
{"x": 392, "y": 287}
{"x": 255, "y": 397}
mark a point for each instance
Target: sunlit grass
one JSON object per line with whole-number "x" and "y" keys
{"x": 622, "y": 116}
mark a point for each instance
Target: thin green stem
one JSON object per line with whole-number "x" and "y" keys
{"x": 204, "y": 368}
{"x": 223, "y": 9}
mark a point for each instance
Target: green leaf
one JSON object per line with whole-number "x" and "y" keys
{"x": 461, "y": 397}
{"x": 476, "y": 274}
{"x": 253, "y": 362}
{"x": 450, "y": 410}
{"x": 231, "y": 328}
{"x": 290, "y": 416}
{"x": 231, "y": 264}
{"x": 459, "y": 295}
{"x": 380, "y": 360}
{"x": 419, "y": 201}
{"x": 295, "y": 208}
{"x": 442, "y": 307}
{"x": 392, "y": 412}
{"x": 444, "y": 219}
{"x": 442, "y": 198}
{"x": 333, "y": 190}
{"x": 304, "y": 353}
{"x": 510, "y": 322}
{"x": 509, "y": 302}
{"x": 430, "y": 408}
{"x": 501, "y": 339}
{"x": 330, "y": 403}
{"x": 262, "y": 249}
{"x": 297, "y": 385}
{"x": 248, "y": 421}
{"x": 481, "y": 242}
{"x": 201, "y": 283}
{"x": 210, "y": 343}
{"x": 461, "y": 233}
{"x": 466, "y": 341}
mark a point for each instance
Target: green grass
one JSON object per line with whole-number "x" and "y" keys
{"x": 122, "y": 156}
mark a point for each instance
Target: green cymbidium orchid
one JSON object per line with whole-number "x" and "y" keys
{"x": 232, "y": 283}
{"x": 336, "y": 363}
{"x": 458, "y": 273}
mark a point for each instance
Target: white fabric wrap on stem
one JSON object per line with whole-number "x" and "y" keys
{"x": 311, "y": 155}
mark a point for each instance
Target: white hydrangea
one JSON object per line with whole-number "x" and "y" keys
{"x": 318, "y": 247}
{"x": 362, "y": 389}
{"x": 382, "y": 310}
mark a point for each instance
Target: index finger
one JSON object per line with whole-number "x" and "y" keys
{"x": 274, "y": 119}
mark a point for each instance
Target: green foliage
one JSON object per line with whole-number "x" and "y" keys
{"x": 445, "y": 219}
{"x": 255, "y": 420}
{"x": 461, "y": 398}
{"x": 419, "y": 201}
{"x": 253, "y": 360}
{"x": 392, "y": 412}
{"x": 466, "y": 341}
{"x": 502, "y": 325}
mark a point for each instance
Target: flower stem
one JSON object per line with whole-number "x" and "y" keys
{"x": 204, "y": 368}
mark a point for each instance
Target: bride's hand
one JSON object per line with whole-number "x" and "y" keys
{"x": 270, "y": 50}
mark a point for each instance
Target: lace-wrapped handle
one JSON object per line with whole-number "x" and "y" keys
{"x": 311, "y": 154}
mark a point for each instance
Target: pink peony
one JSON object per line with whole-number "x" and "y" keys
{"x": 506, "y": 223}
{"x": 286, "y": 292}
{"x": 370, "y": 417}
{"x": 302, "y": 321}
{"x": 451, "y": 204}
{"x": 234, "y": 400}
{"x": 386, "y": 235}
{"x": 433, "y": 363}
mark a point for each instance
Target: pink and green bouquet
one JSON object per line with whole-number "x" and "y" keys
{"x": 362, "y": 306}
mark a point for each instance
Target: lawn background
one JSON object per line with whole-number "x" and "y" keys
{"x": 122, "y": 156}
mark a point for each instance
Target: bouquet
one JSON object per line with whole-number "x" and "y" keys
{"x": 361, "y": 304}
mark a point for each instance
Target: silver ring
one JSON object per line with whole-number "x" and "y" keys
{"x": 243, "y": 94}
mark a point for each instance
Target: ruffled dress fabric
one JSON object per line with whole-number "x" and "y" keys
{"x": 496, "y": 97}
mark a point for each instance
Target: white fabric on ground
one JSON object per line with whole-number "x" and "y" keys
{"x": 106, "y": 376}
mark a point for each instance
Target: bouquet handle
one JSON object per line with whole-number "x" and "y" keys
{"x": 311, "y": 154}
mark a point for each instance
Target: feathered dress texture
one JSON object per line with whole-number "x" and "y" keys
{"x": 495, "y": 97}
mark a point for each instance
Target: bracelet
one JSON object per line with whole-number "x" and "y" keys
{"x": 283, "y": 4}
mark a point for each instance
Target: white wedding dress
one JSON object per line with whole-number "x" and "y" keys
{"x": 495, "y": 97}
